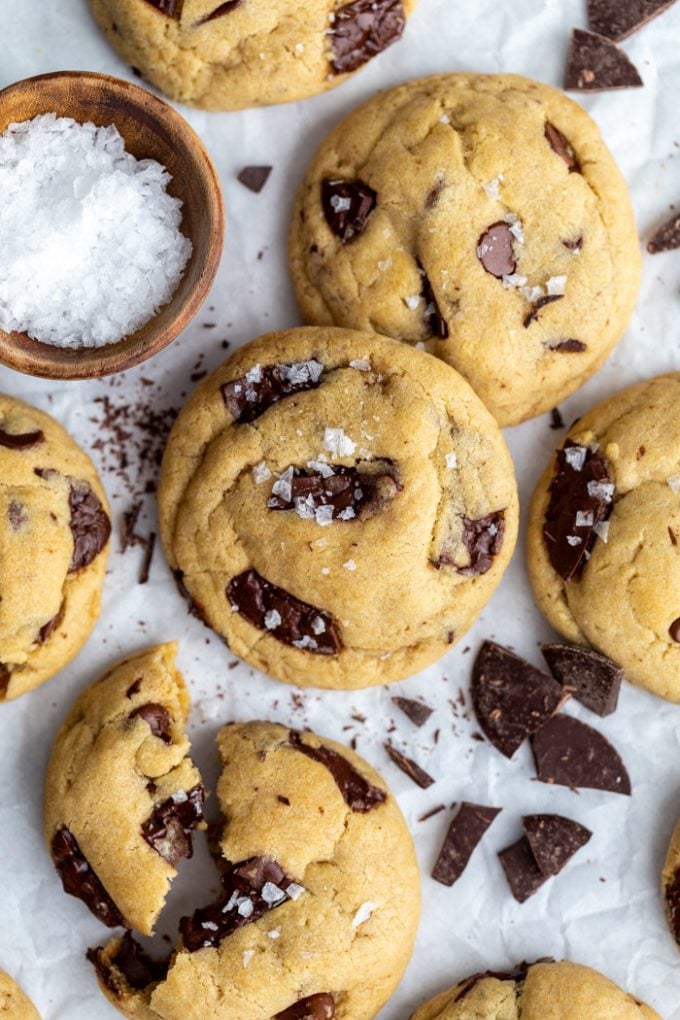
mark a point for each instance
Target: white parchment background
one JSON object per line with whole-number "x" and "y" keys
{"x": 605, "y": 909}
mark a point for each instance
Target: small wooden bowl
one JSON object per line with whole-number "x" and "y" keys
{"x": 151, "y": 130}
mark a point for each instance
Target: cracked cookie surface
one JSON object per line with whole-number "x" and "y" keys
{"x": 480, "y": 215}
{"x": 14, "y": 1004}
{"x": 321, "y": 894}
{"x": 229, "y": 56}
{"x": 338, "y": 506}
{"x": 122, "y": 796}
{"x": 540, "y": 991}
{"x": 54, "y": 532}
{"x": 604, "y": 534}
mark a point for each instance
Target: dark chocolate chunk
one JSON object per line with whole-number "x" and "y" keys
{"x": 667, "y": 237}
{"x": 569, "y": 753}
{"x": 581, "y": 497}
{"x": 593, "y": 679}
{"x": 79, "y": 879}
{"x": 495, "y": 250}
{"x": 158, "y": 719}
{"x": 145, "y": 569}
{"x": 483, "y": 539}
{"x": 436, "y": 323}
{"x": 409, "y": 767}
{"x": 523, "y": 874}
{"x": 554, "y": 840}
{"x": 511, "y": 698}
{"x": 556, "y": 419}
{"x": 16, "y": 514}
{"x": 251, "y": 889}
{"x": 315, "y": 1007}
{"x": 352, "y": 494}
{"x": 280, "y": 614}
{"x": 172, "y": 8}
{"x": 518, "y": 975}
{"x": 464, "y": 834}
{"x": 136, "y": 968}
{"x": 672, "y": 902}
{"x": 569, "y": 347}
{"x": 362, "y": 29}
{"x": 134, "y": 688}
{"x": 347, "y": 206}
{"x": 538, "y": 305}
{"x": 417, "y": 712}
{"x": 169, "y": 828}
{"x": 219, "y": 12}
{"x": 48, "y": 629}
{"x": 251, "y": 395}
{"x": 596, "y": 64}
{"x": 22, "y": 441}
{"x": 562, "y": 146}
{"x": 90, "y": 525}
{"x": 360, "y": 795}
{"x": 432, "y": 200}
{"x": 254, "y": 177}
{"x": 618, "y": 19}
{"x": 674, "y": 629}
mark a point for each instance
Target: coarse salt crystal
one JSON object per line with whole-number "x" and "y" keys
{"x": 361, "y": 364}
{"x": 339, "y": 204}
{"x": 306, "y": 642}
{"x": 674, "y": 483}
{"x": 412, "y": 301}
{"x": 283, "y": 487}
{"x": 302, "y": 372}
{"x": 451, "y": 460}
{"x": 275, "y": 933}
{"x": 514, "y": 280}
{"x": 261, "y": 473}
{"x": 556, "y": 285}
{"x": 584, "y": 520}
{"x": 444, "y": 119}
{"x": 347, "y": 514}
{"x": 385, "y": 265}
{"x": 324, "y": 515}
{"x": 601, "y": 490}
{"x": 337, "y": 443}
{"x": 244, "y": 906}
{"x": 492, "y": 188}
{"x": 363, "y": 914}
{"x": 574, "y": 540}
{"x": 318, "y": 625}
{"x": 294, "y": 891}
{"x": 601, "y": 529}
{"x": 321, "y": 468}
{"x": 272, "y": 619}
{"x": 254, "y": 375}
{"x": 271, "y": 894}
{"x": 350, "y": 565}
{"x": 533, "y": 294}
{"x": 248, "y": 954}
{"x": 575, "y": 457}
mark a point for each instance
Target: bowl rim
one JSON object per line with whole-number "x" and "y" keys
{"x": 94, "y": 362}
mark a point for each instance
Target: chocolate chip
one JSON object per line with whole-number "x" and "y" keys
{"x": 432, "y": 200}
{"x": 667, "y": 237}
{"x": 569, "y": 753}
{"x": 79, "y": 879}
{"x": 130, "y": 962}
{"x": 556, "y": 419}
{"x": 593, "y": 679}
{"x": 347, "y": 206}
{"x": 672, "y": 903}
{"x": 562, "y": 146}
{"x": 168, "y": 829}
{"x": 219, "y": 12}
{"x": 554, "y": 840}
{"x": 574, "y": 245}
{"x": 254, "y": 177}
{"x": 172, "y": 8}
{"x": 251, "y": 395}
{"x": 315, "y": 1007}
{"x": 596, "y": 64}
{"x": 483, "y": 540}
{"x": 134, "y": 688}
{"x": 436, "y": 323}
{"x": 16, "y": 514}
{"x": 464, "y": 834}
{"x": 48, "y": 629}
{"x": 409, "y": 767}
{"x": 495, "y": 250}
{"x": 21, "y": 441}
{"x": 581, "y": 497}
{"x": 523, "y": 874}
{"x": 352, "y": 494}
{"x": 674, "y": 630}
{"x": 276, "y": 611}
{"x": 158, "y": 719}
{"x": 416, "y": 711}
{"x": 538, "y": 305}
{"x": 620, "y": 18}
{"x": 569, "y": 347}
{"x": 90, "y": 525}
{"x": 283, "y": 800}
{"x": 518, "y": 975}
{"x": 360, "y": 795}
{"x": 511, "y": 698}
{"x": 362, "y": 29}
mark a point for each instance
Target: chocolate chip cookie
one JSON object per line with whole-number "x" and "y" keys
{"x": 539, "y": 991}
{"x": 14, "y": 1005}
{"x": 300, "y": 930}
{"x": 481, "y": 216}
{"x": 670, "y": 884}
{"x": 54, "y": 534}
{"x": 604, "y": 534}
{"x": 228, "y": 56}
{"x": 122, "y": 796}
{"x": 338, "y": 506}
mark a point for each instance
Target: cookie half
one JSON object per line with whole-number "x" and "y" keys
{"x": 604, "y": 534}
{"x": 54, "y": 536}
{"x": 338, "y": 506}
{"x": 479, "y": 215}
{"x": 14, "y": 1004}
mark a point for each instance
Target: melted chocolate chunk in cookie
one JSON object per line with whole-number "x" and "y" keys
{"x": 79, "y": 879}
{"x": 280, "y": 614}
{"x": 538, "y": 306}
{"x": 251, "y": 395}
{"x": 569, "y": 347}
{"x": 220, "y": 12}
{"x": 158, "y": 719}
{"x": 48, "y": 629}
{"x": 518, "y": 975}
{"x": 562, "y": 146}
{"x": 350, "y": 494}
{"x": 90, "y": 525}
{"x": 315, "y": 1007}
{"x": 131, "y": 963}
{"x": 347, "y": 206}
{"x": 360, "y": 795}
{"x": 436, "y": 323}
{"x": 495, "y": 250}
{"x": 672, "y": 898}
{"x": 169, "y": 828}
{"x": 171, "y": 8}
{"x": 21, "y": 441}
{"x": 483, "y": 540}
{"x": 5, "y": 677}
{"x": 362, "y": 29}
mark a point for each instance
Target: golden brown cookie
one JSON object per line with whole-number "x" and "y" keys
{"x": 670, "y": 884}
{"x": 14, "y": 1005}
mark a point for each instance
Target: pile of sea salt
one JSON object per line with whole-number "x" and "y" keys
{"x": 90, "y": 240}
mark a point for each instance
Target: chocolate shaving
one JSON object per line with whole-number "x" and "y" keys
{"x": 618, "y": 19}
{"x": 315, "y": 1007}
{"x": 541, "y": 303}
{"x": 593, "y": 679}
{"x": 360, "y": 795}
{"x": 149, "y": 547}
{"x": 219, "y": 12}
{"x": 254, "y": 177}
{"x": 554, "y": 840}
{"x": 352, "y": 494}
{"x": 667, "y": 237}
{"x": 495, "y": 250}
{"x": 90, "y": 525}
{"x": 436, "y": 322}
{"x": 347, "y": 206}
{"x": 362, "y": 29}
{"x": 409, "y": 767}
{"x": 562, "y": 146}
{"x": 251, "y": 395}
{"x": 79, "y": 879}
{"x": 569, "y": 753}
{"x": 157, "y": 718}
{"x": 21, "y": 441}
{"x": 596, "y": 64}
{"x": 464, "y": 835}
{"x": 523, "y": 874}
{"x": 172, "y": 8}
{"x": 136, "y": 967}
{"x": 168, "y": 830}
{"x": 569, "y": 347}
{"x": 416, "y": 711}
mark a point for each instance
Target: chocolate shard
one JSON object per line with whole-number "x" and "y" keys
{"x": 511, "y": 698}
{"x": 409, "y": 767}
{"x": 562, "y": 146}
{"x": 416, "y": 711}
{"x": 495, "y": 250}
{"x": 276, "y": 611}
{"x": 523, "y": 874}
{"x": 581, "y": 499}
{"x": 667, "y": 237}
{"x": 593, "y": 679}
{"x": 569, "y": 753}
{"x": 347, "y": 206}
{"x": 169, "y": 828}
{"x": 518, "y": 975}
{"x": 360, "y": 795}
{"x": 483, "y": 539}
{"x": 671, "y": 894}
{"x": 79, "y": 879}
{"x": 158, "y": 719}
{"x": 254, "y": 177}
{"x": 436, "y": 323}
{"x": 569, "y": 347}
{"x": 556, "y": 419}
{"x": 350, "y": 493}
{"x": 596, "y": 64}
{"x": 90, "y": 525}
{"x": 171, "y": 8}
{"x": 219, "y": 12}
{"x": 130, "y": 963}
{"x": 538, "y": 305}
{"x": 464, "y": 835}
{"x": 251, "y": 395}
{"x": 21, "y": 441}
{"x": 362, "y": 29}
{"x": 618, "y": 19}
{"x": 315, "y": 1007}
{"x": 554, "y": 840}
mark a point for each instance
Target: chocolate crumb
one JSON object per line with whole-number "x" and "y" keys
{"x": 409, "y": 767}
{"x": 255, "y": 177}
{"x": 666, "y": 238}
